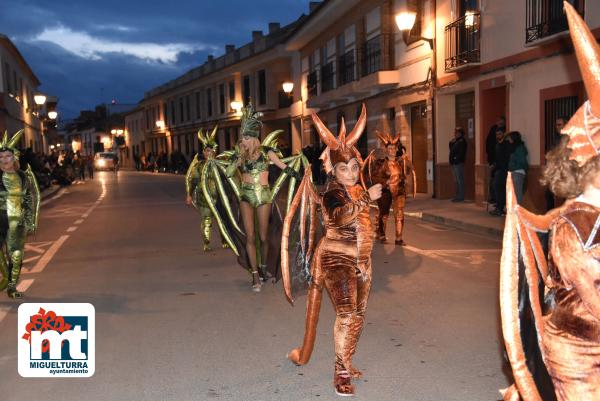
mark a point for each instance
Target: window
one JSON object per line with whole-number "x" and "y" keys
{"x": 246, "y": 89}
{"x": 6, "y": 73}
{"x": 312, "y": 83}
{"x": 181, "y": 116}
{"x": 546, "y": 17}
{"x": 372, "y": 56}
{"x": 327, "y": 77}
{"x": 172, "y": 112}
{"x": 198, "y": 106}
{"x": 188, "y": 114}
{"x": 563, "y": 107}
{"x": 231, "y": 91}
{"x": 222, "y": 98}
{"x": 346, "y": 68}
{"x": 209, "y": 104}
{"x": 262, "y": 87}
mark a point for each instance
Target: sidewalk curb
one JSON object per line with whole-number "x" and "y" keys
{"x": 50, "y": 191}
{"x": 461, "y": 225}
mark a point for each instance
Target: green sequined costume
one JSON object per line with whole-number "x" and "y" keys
{"x": 193, "y": 188}
{"x": 19, "y": 209}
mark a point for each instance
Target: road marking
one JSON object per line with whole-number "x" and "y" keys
{"x": 71, "y": 229}
{"x": 25, "y": 284}
{"x": 45, "y": 259}
{"x": 4, "y": 311}
{"x": 60, "y": 193}
{"x": 79, "y": 221}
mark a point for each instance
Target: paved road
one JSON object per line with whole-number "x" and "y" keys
{"x": 173, "y": 323}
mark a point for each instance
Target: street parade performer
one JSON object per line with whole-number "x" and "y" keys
{"x": 569, "y": 332}
{"x": 341, "y": 262}
{"x": 247, "y": 171}
{"x": 193, "y": 189}
{"x": 384, "y": 166}
{"x": 19, "y": 211}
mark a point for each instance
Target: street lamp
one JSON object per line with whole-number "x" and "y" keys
{"x": 469, "y": 19}
{"x": 405, "y": 22}
{"x": 160, "y": 124}
{"x": 39, "y": 99}
{"x": 113, "y": 131}
{"x": 236, "y": 105}
{"x": 52, "y": 115}
{"x": 288, "y": 87}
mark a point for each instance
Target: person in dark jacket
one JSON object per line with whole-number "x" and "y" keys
{"x": 458, "y": 153}
{"x": 490, "y": 149}
{"x": 517, "y": 163}
{"x": 503, "y": 150}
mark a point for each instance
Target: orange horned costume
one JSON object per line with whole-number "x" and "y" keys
{"x": 568, "y": 334}
{"x": 392, "y": 173}
{"x": 341, "y": 262}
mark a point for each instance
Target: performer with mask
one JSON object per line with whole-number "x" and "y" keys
{"x": 390, "y": 167}
{"x": 341, "y": 262}
{"x": 569, "y": 331}
{"x": 19, "y": 210}
{"x": 193, "y": 189}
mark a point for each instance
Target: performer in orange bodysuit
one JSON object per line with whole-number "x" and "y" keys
{"x": 385, "y": 167}
{"x": 341, "y": 262}
{"x": 569, "y": 333}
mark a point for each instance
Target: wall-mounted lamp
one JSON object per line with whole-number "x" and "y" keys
{"x": 288, "y": 87}
{"x": 237, "y": 106}
{"x": 39, "y": 99}
{"x": 160, "y": 124}
{"x": 405, "y": 22}
{"x": 52, "y": 115}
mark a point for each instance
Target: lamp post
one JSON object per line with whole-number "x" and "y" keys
{"x": 236, "y": 105}
{"x": 405, "y": 22}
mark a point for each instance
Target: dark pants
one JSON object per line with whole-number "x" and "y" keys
{"x": 458, "y": 170}
{"x": 500, "y": 185}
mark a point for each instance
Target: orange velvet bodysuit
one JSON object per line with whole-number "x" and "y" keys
{"x": 572, "y": 331}
{"x": 390, "y": 174}
{"x": 342, "y": 264}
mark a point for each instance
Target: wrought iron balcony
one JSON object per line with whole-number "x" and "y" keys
{"x": 346, "y": 66}
{"x": 371, "y": 56}
{"x": 463, "y": 42}
{"x": 312, "y": 83}
{"x": 546, "y": 18}
{"x": 327, "y": 77}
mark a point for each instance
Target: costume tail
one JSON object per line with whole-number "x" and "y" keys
{"x": 301, "y": 356}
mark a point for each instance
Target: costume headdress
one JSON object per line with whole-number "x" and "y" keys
{"x": 387, "y": 139}
{"x": 340, "y": 149}
{"x": 11, "y": 144}
{"x": 250, "y": 123}
{"x": 583, "y": 128}
{"x": 209, "y": 140}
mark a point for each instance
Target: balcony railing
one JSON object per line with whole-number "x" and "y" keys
{"x": 371, "y": 56}
{"x": 346, "y": 66}
{"x": 463, "y": 41}
{"x": 312, "y": 81}
{"x": 327, "y": 77}
{"x": 546, "y": 17}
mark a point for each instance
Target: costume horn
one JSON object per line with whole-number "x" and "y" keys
{"x": 326, "y": 135}
{"x": 15, "y": 139}
{"x": 588, "y": 55}
{"x": 358, "y": 128}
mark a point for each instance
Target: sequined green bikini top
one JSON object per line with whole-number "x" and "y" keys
{"x": 255, "y": 167}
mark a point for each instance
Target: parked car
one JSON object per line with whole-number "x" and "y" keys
{"x": 106, "y": 161}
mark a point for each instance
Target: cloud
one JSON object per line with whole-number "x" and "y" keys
{"x": 87, "y": 46}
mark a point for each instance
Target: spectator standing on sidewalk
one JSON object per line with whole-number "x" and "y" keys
{"x": 490, "y": 149}
{"x": 89, "y": 163}
{"x": 503, "y": 151}
{"x": 559, "y": 124}
{"x": 458, "y": 152}
{"x": 517, "y": 163}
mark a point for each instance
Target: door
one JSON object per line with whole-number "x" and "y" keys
{"x": 465, "y": 118}
{"x": 418, "y": 129}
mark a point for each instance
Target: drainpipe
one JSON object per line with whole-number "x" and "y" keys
{"x": 433, "y": 96}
